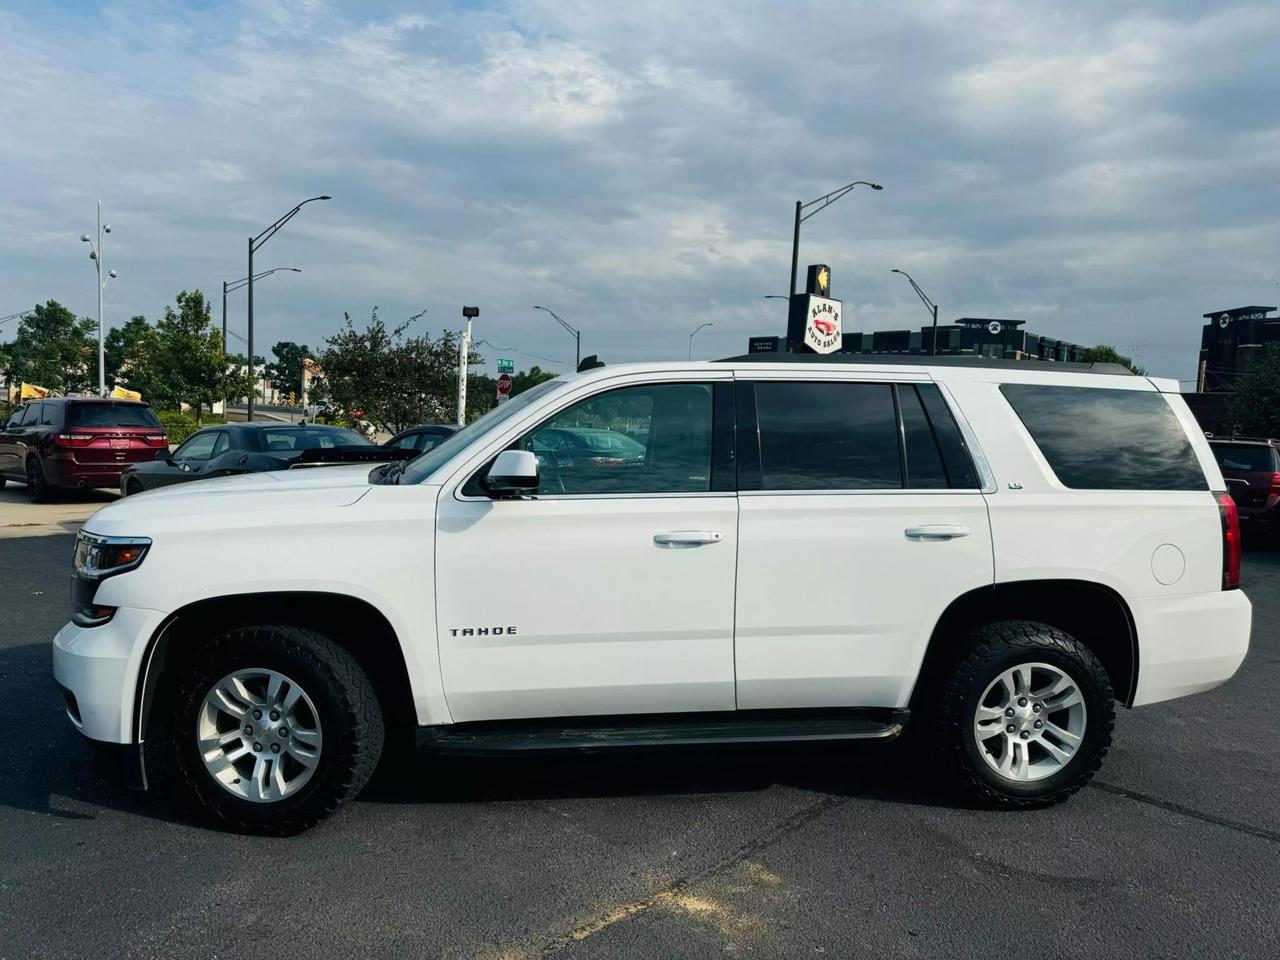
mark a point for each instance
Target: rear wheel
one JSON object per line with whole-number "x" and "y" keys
{"x": 38, "y": 489}
{"x": 272, "y": 729}
{"x": 1026, "y": 716}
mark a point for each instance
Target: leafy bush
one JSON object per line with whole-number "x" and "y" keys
{"x": 179, "y": 425}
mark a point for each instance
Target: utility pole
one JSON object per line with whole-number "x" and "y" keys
{"x": 224, "y": 322}
{"x": 464, "y": 352}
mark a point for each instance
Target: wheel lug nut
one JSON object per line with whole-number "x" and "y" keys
{"x": 1039, "y": 724}
{"x": 1022, "y": 701}
{"x": 257, "y": 714}
{"x": 275, "y": 714}
{"x": 275, "y": 748}
{"x": 284, "y": 731}
{"x": 1009, "y": 712}
{"x": 248, "y": 729}
{"x": 1009, "y": 728}
{"x": 1024, "y": 734}
{"x": 257, "y": 748}
{"x": 1036, "y": 708}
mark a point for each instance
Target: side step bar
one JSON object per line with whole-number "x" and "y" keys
{"x": 653, "y": 730}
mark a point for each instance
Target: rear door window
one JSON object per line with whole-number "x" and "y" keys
{"x": 49, "y": 416}
{"x": 1104, "y": 439}
{"x": 827, "y": 436}
{"x": 31, "y": 416}
{"x": 108, "y": 414}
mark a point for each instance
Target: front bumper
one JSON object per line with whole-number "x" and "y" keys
{"x": 98, "y": 667}
{"x": 1189, "y": 644}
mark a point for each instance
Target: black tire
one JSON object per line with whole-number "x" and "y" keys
{"x": 992, "y": 650}
{"x": 132, "y": 487}
{"x": 38, "y": 489}
{"x": 346, "y": 706}
{"x": 3, "y": 481}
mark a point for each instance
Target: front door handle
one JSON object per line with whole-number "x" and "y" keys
{"x": 937, "y": 531}
{"x": 687, "y": 538}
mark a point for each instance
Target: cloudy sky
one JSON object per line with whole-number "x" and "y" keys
{"x": 1105, "y": 171}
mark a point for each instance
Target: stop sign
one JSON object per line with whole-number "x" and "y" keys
{"x": 504, "y": 384}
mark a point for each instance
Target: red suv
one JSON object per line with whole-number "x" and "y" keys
{"x": 74, "y": 443}
{"x": 1251, "y": 468}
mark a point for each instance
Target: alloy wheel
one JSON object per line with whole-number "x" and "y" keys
{"x": 258, "y": 734}
{"x": 1030, "y": 721}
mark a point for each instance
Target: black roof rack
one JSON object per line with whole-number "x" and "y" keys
{"x": 1236, "y": 439}
{"x": 924, "y": 360}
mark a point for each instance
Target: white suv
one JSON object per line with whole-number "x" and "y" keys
{"x": 675, "y": 553}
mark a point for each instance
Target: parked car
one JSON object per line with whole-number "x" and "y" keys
{"x": 73, "y": 443}
{"x": 991, "y": 553}
{"x": 422, "y": 438}
{"x": 1251, "y": 468}
{"x": 232, "y": 448}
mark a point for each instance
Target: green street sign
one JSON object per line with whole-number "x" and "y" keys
{"x": 506, "y": 366}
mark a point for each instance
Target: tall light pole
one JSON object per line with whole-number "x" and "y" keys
{"x": 695, "y": 333}
{"x": 933, "y": 307}
{"x": 464, "y": 354}
{"x": 254, "y": 244}
{"x": 96, "y": 255}
{"x": 235, "y": 285}
{"x": 577, "y": 336}
{"x": 825, "y": 200}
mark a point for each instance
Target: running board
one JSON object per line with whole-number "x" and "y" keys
{"x": 697, "y": 729}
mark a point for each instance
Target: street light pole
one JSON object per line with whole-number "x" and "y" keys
{"x": 577, "y": 336}
{"x": 929, "y": 305}
{"x": 825, "y": 200}
{"x": 254, "y": 244}
{"x": 695, "y": 333}
{"x": 234, "y": 285}
{"x": 464, "y": 354}
{"x": 96, "y": 255}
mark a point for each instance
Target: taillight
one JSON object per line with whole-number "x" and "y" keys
{"x": 1230, "y": 541}
{"x": 157, "y": 440}
{"x": 73, "y": 439}
{"x": 1275, "y": 486}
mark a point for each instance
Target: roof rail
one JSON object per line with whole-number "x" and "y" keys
{"x": 1234, "y": 437}
{"x": 925, "y": 360}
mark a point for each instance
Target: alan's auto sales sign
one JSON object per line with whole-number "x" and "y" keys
{"x": 822, "y": 330}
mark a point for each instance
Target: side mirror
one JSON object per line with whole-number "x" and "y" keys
{"x": 514, "y": 472}
{"x": 163, "y": 454}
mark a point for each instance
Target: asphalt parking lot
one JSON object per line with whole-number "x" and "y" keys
{"x": 1173, "y": 852}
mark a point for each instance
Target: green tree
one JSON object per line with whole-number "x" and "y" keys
{"x": 132, "y": 353}
{"x": 285, "y": 371}
{"x": 55, "y": 349}
{"x": 1106, "y": 353}
{"x": 1254, "y": 409}
{"x": 190, "y": 365}
{"x": 395, "y": 380}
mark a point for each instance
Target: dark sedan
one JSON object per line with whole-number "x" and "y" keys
{"x": 231, "y": 448}
{"x": 421, "y": 438}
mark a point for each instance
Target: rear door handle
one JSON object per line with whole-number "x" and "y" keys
{"x": 687, "y": 537}
{"x": 937, "y": 531}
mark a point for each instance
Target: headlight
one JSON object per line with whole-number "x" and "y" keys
{"x": 98, "y": 557}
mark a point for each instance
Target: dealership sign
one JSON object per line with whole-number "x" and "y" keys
{"x": 822, "y": 329}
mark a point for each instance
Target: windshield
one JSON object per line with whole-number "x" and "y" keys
{"x": 430, "y": 462}
{"x": 311, "y": 438}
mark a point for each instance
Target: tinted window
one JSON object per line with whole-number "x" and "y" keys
{"x": 955, "y": 453}
{"x": 199, "y": 447}
{"x": 649, "y": 439}
{"x": 108, "y": 414}
{"x": 425, "y": 441}
{"x": 31, "y": 415}
{"x": 1101, "y": 439}
{"x": 924, "y": 459}
{"x": 1245, "y": 457}
{"x": 49, "y": 417}
{"x": 222, "y": 445}
{"x": 407, "y": 442}
{"x": 311, "y": 438}
{"x": 827, "y": 436}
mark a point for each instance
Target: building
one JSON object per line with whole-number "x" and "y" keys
{"x": 972, "y": 336}
{"x": 1230, "y": 343}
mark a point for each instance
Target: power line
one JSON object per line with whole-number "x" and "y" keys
{"x": 523, "y": 353}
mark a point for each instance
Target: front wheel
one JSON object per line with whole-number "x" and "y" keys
{"x": 273, "y": 728}
{"x": 132, "y": 487}
{"x": 1026, "y": 716}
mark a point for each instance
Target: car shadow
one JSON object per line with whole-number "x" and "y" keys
{"x": 51, "y": 772}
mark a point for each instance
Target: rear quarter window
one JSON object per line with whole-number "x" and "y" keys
{"x": 111, "y": 415}
{"x": 1103, "y": 439}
